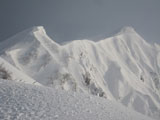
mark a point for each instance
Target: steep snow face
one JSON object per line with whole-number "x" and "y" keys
{"x": 28, "y": 102}
{"x": 122, "y": 68}
{"x": 9, "y": 72}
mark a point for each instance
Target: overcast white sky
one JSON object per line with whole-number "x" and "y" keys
{"x": 81, "y": 19}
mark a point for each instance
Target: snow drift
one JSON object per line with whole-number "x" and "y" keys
{"x": 28, "y": 102}
{"x": 123, "y": 68}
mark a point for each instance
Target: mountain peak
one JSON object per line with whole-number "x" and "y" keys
{"x": 37, "y": 29}
{"x": 24, "y": 36}
{"x": 127, "y": 29}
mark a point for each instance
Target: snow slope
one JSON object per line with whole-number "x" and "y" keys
{"x": 16, "y": 75}
{"x": 123, "y": 68}
{"x": 20, "y": 101}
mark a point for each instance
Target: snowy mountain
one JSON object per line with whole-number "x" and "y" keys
{"x": 123, "y": 68}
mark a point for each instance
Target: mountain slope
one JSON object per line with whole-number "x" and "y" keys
{"x": 122, "y": 68}
{"x": 22, "y": 101}
{"x": 6, "y": 69}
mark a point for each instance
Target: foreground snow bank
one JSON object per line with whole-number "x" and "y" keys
{"x": 22, "y": 101}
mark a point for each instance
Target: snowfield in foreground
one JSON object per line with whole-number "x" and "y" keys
{"x": 19, "y": 101}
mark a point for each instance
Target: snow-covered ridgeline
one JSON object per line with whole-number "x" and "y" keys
{"x": 123, "y": 68}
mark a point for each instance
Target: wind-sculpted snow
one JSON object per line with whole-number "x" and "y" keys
{"x": 20, "y": 101}
{"x": 6, "y": 69}
{"x": 123, "y": 68}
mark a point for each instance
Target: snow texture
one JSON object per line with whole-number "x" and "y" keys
{"x": 19, "y": 101}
